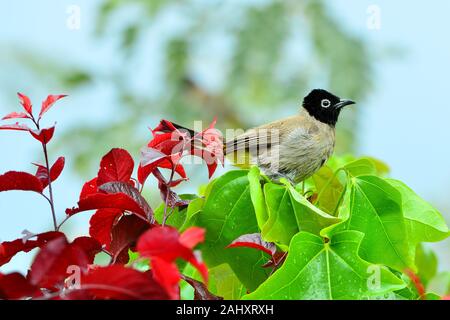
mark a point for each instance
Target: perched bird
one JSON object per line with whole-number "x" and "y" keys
{"x": 295, "y": 147}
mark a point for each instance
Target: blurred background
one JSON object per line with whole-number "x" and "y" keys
{"x": 127, "y": 64}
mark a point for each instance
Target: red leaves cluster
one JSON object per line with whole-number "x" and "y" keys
{"x": 42, "y": 135}
{"x": 50, "y": 266}
{"x": 163, "y": 245}
{"x": 60, "y": 263}
{"x": 14, "y": 180}
{"x": 170, "y": 144}
{"x": 9, "y": 249}
{"x": 122, "y": 214}
{"x": 123, "y": 221}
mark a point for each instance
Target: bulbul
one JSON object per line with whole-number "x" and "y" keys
{"x": 295, "y": 147}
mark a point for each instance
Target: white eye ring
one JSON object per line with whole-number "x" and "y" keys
{"x": 325, "y": 103}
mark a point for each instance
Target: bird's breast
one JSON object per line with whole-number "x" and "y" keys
{"x": 305, "y": 150}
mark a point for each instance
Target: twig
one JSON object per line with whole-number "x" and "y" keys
{"x": 50, "y": 189}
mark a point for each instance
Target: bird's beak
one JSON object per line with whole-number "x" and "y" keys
{"x": 343, "y": 103}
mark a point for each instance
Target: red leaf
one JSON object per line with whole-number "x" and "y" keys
{"x": 101, "y": 225}
{"x": 116, "y": 165}
{"x": 26, "y": 103}
{"x": 55, "y": 171}
{"x": 150, "y": 155}
{"x": 144, "y": 172}
{"x": 132, "y": 192}
{"x": 201, "y": 292}
{"x": 16, "y": 286}
{"x": 164, "y": 243}
{"x": 117, "y": 282}
{"x": 254, "y": 241}
{"x": 210, "y": 159}
{"x": 48, "y": 103}
{"x": 9, "y": 249}
{"x": 167, "y": 275}
{"x": 164, "y": 126}
{"x": 17, "y": 126}
{"x": 173, "y": 200}
{"x": 192, "y": 236}
{"x": 118, "y": 201}
{"x": 169, "y": 143}
{"x": 124, "y": 235}
{"x": 16, "y": 115}
{"x": 43, "y": 135}
{"x": 57, "y": 168}
{"x": 50, "y": 267}
{"x": 89, "y": 188}
{"x": 14, "y": 180}
{"x": 90, "y": 247}
{"x": 42, "y": 175}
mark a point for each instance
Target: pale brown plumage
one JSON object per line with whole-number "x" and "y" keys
{"x": 294, "y": 148}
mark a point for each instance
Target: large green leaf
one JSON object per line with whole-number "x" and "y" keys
{"x": 329, "y": 189}
{"x": 257, "y": 196}
{"x": 282, "y": 224}
{"x": 376, "y": 211}
{"x": 309, "y": 217}
{"x": 224, "y": 283}
{"x": 289, "y": 212}
{"x": 424, "y": 223}
{"x": 360, "y": 167}
{"x": 227, "y": 214}
{"x": 427, "y": 263}
{"x": 316, "y": 269}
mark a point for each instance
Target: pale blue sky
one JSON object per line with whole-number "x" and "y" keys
{"x": 404, "y": 121}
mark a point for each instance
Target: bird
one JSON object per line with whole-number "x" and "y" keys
{"x": 295, "y": 147}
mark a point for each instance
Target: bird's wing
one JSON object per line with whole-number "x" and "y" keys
{"x": 263, "y": 137}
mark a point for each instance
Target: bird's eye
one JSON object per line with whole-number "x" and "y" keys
{"x": 325, "y": 103}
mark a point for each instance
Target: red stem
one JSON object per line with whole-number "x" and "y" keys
{"x": 50, "y": 190}
{"x": 47, "y": 165}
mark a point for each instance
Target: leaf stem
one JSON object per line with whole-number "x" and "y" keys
{"x": 50, "y": 189}
{"x": 168, "y": 194}
{"x": 47, "y": 165}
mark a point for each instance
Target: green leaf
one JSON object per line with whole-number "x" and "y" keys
{"x": 227, "y": 214}
{"x": 137, "y": 262}
{"x": 257, "y": 196}
{"x": 381, "y": 167}
{"x": 184, "y": 218}
{"x": 360, "y": 167}
{"x": 329, "y": 189}
{"x": 432, "y": 296}
{"x": 309, "y": 217}
{"x": 427, "y": 264}
{"x": 376, "y": 211}
{"x": 289, "y": 212}
{"x": 315, "y": 269}
{"x": 224, "y": 283}
{"x": 282, "y": 224}
{"x": 177, "y": 217}
{"x": 424, "y": 223}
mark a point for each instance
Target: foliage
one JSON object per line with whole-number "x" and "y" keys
{"x": 349, "y": 232}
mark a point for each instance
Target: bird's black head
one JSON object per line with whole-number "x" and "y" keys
{"x": 324, "y": 106}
